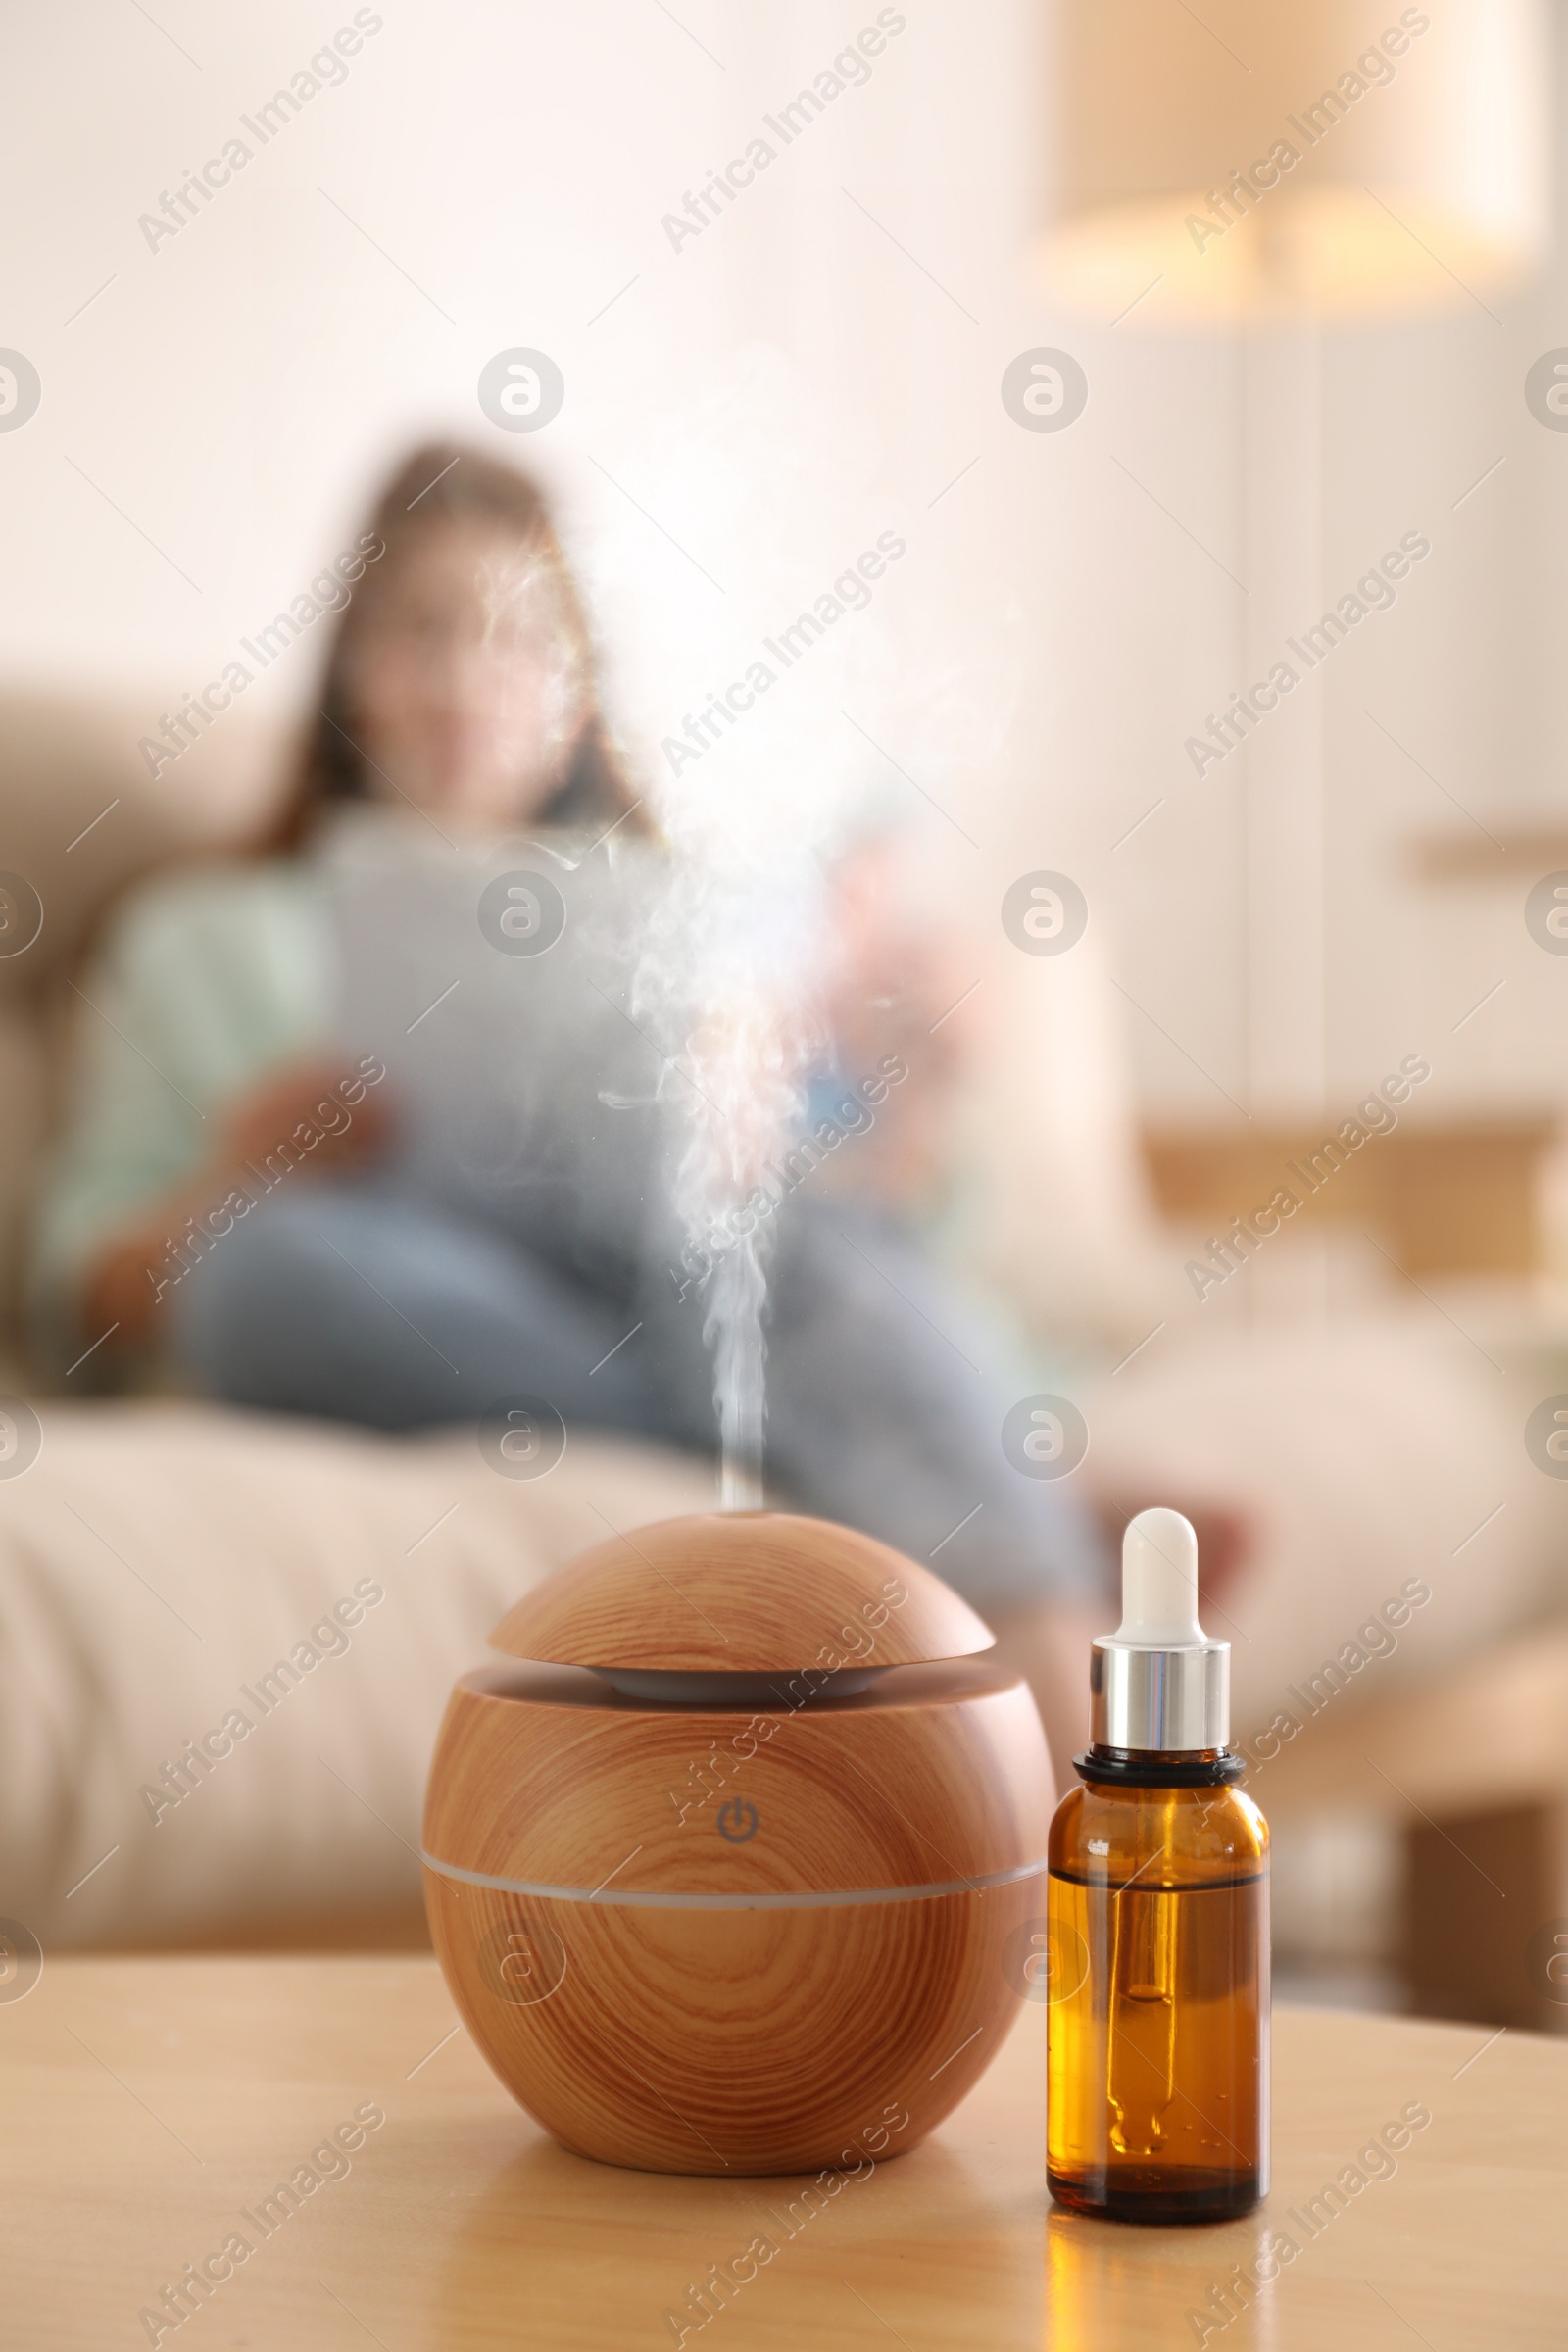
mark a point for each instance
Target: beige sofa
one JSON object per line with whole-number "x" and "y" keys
{"x": 161, "y": 1555}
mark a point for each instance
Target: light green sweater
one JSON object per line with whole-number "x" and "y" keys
{"x": 206, "y": 981}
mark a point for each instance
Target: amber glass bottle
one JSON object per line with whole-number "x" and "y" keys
{"x": 1158, "y": 1951}
{"x": 1158, "y": 1922}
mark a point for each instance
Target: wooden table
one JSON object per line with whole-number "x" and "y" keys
{"x": 150, "y": 2104}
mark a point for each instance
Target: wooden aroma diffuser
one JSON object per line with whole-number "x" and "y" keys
{"x": 727, "y": 1877}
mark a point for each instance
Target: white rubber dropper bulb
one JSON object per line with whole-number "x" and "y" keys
{"x": 1160, "y": 1583}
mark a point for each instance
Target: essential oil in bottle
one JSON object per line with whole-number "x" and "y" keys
{"x": 1158, "y": 1922}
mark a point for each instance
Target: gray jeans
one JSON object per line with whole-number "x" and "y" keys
{"x": 361, "y": 1303}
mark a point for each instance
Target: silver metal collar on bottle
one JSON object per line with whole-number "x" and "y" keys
{"x": 1163, "y": 1698}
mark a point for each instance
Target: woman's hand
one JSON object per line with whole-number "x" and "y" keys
{"x": 273, "y": 1122}
{"x": 898, "y": 978}
{"x": 899, "y": 989}
{"x": 293, "y": 1125}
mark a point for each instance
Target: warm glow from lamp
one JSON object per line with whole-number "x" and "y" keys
{"x": 1258, "y": 158}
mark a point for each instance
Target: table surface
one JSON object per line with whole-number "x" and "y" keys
{"x": 148, "y": 2102}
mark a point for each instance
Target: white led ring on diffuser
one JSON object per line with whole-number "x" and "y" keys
{"x": 821, "y": 1898}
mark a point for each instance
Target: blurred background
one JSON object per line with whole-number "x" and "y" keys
{"x": 1135, "y": 462}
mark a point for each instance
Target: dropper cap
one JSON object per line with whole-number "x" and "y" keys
{"x": 1159, "y": 1681}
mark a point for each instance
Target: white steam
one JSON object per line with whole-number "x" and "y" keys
{"x": 764, "y": 742}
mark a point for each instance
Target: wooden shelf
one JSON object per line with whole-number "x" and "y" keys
{"x": 1452, "y": 1200}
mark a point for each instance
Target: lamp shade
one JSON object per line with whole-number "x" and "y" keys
{"x": 1278, "y": 157}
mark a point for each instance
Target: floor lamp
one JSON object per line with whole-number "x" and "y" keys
{"x": 1267, "y": 167}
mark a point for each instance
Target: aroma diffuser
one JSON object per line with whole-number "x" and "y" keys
{"x": 723, "y": 1877}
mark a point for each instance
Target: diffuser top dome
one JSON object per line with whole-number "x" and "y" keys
{"x": 739, "y": 1592}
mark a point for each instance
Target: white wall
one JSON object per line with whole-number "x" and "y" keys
{"x": 236, "y": 391}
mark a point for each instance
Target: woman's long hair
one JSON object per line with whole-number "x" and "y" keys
{"x": 445, "y": 483}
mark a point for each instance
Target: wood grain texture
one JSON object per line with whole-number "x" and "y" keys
{"x": 938, "y": 1773}
{"x": 741, "y": 1592}
{"x": 736, "y": 2040}
{"x": 733, "y": 2042}
{"x": 148, "y": 2103}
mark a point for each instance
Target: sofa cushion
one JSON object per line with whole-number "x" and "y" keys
{"x": 81, "y": 816}
{"x": 169, "y": 1570}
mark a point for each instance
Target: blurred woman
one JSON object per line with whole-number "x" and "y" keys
{"x": 351, "y": 1292}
